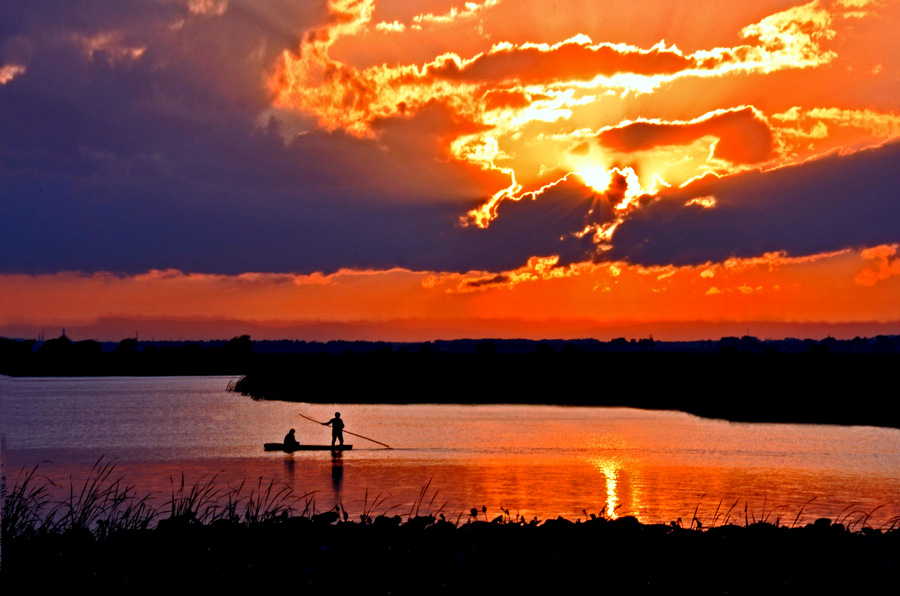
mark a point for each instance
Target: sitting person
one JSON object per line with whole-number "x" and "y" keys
{"x": 290, "y": 441}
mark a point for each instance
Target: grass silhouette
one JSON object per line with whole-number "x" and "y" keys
{"x": 205, "y": 537}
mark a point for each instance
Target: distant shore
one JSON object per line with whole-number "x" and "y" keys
{"x": 62, "y": 356}
{"x": 739, "y": 379}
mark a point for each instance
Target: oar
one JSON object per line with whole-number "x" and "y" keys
{"x": 348, "y": 432}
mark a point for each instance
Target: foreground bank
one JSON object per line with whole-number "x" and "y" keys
{"x": 424, "y": 555}
{"x": 259, "y": 537}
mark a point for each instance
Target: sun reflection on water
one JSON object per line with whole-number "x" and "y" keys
{"x": 610, "y": 469}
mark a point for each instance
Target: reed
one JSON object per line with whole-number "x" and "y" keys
{"x": 724, "y": 516}
{"x": 891, "y": 524}
{"x": 266, "y": 503}
{"x": 100, "y": 499}
{"x": 416, "y": 510}
{"x": 695, "y": 519}
{"x": 858, "y": 518}
{"x": 199, "y": 502}
{"x": 23, "y": 509}
{"x": 368, "y": 512}
{"x": 102, "y": 505}
{"x": 852, "y": 517}
{"x": 800, "y": 513}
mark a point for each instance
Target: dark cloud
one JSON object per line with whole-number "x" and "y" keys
{"x": 499, "y": 279}
{"x": 824, "y": 205}
{"x": 161, "y": 162}
{"x": 743, "y": 136}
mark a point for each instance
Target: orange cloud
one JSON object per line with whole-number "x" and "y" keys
{"x": 208, "y": 7}
{"x": 10, "y": 71}
{"x": 536, "y": 269}
{"x": 109, "y": 45}
{"x": 570, "y": 61}
{"x": 805, "y": 133}
{"x": 707, "y": 202}
{"x": 343, "y": 96}
{"x": 774, "y": 287}
{"x": 889, "y": 264}
{"x": 312, "y": 81}
{"x": 468, "y": 11}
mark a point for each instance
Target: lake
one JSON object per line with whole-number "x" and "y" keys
{"x": 535, "y": 461}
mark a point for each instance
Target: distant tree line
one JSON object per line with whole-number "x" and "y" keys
{"x": 239, "y": 355}
{"x": 63, "y": 357}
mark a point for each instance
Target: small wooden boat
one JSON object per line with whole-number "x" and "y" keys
{"x": 281, "y": 447}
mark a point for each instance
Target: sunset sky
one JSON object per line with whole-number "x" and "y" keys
{"x": 412, "y": 170}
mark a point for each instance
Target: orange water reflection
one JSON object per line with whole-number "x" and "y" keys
{"x": 541, "y": 488}
{"x": 610, "y": 470}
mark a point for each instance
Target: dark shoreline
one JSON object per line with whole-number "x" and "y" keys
{"x": 424, "y": 555}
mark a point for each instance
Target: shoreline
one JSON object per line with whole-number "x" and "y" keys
{"x": 738, "y": 379}
{"x": 428, "y": 555}
{"x": 239, "y": 539}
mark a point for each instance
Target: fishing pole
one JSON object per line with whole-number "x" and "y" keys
{"x": 348, "y": 432}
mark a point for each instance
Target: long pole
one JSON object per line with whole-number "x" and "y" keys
{"x": 348, "y": 432}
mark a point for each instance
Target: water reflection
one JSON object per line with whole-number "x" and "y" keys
{"x": 337, "y": 474}
{"x": 289, "y": 477}
{"x": 610, "y": 470}
{"x": 534, "y": 460}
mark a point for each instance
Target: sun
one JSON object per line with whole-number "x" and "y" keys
{"x": 595, "y": 176}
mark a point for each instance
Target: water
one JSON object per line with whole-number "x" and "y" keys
{"x": 536, "y": 461}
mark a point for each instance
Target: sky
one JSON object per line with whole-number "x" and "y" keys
{"x": 432, "y": 169}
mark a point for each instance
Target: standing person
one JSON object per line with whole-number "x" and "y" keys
{"x": 337, "y": 428}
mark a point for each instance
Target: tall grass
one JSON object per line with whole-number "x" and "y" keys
{"x": 204, "y": 502}
{"x": 23, "y": 509}
{"x": 103, "y": 504}
{"x": 198, "y": 502}
{"x": 852, "y": 518}
{"x": 266, "y": 503}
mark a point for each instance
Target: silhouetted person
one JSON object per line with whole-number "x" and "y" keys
{"x": 337, "y": 428}
{"x": 290, "y": 441}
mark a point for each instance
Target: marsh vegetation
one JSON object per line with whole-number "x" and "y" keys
{"x": 261, "y": 536}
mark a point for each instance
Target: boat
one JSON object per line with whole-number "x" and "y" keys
{"x": 281, "y": 447}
